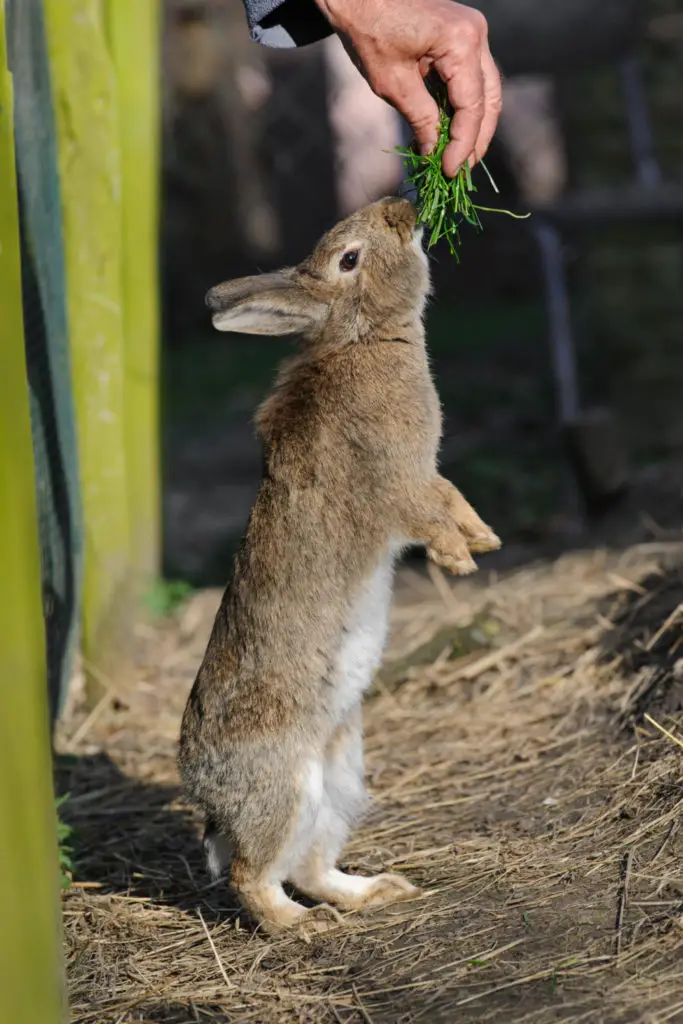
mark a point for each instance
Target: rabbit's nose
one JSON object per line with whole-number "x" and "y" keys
{"x": 213, "y": 299}
{"x": 397, "y": 203}
{"x": 399, "y": 214}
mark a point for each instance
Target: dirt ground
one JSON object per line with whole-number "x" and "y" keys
{"x": 524, "y": 752}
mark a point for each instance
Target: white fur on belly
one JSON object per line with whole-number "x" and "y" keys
{"x": 366, "y": 633}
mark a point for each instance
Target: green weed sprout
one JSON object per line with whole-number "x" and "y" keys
{"x": 64, "y": 833}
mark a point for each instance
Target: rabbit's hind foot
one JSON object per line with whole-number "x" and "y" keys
{"x": 353, "y": 892}
{"x": 274, "y": 912}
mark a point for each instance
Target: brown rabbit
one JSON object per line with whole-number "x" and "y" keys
{"x": 271, "y": 744}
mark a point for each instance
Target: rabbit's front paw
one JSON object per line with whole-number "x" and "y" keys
{"x": 484, "y": 539}
{"x": 479, "y": 536}
{"x": 459, "y": 562}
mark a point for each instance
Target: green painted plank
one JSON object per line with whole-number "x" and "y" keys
{"x": 134, "y": 33}
{"x": 30, "y": 963}
{"x": 84, "y": 91}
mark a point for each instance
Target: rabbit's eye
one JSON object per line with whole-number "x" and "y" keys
{"x": 349, "y": 260}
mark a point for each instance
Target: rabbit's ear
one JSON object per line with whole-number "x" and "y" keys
{"x": 267, "y": 304}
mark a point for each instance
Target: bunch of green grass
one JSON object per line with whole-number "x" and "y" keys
{"x": 445, "y": 204}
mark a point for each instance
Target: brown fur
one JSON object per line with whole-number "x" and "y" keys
{"x": 350, "y": 436}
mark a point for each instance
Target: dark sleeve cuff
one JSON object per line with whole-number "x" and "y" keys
{"x": 286, "y": 23}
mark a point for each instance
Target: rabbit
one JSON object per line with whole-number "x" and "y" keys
{"x": 271, "y": 745}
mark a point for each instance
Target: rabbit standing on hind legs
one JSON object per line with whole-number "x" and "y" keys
{"x": 271, "y": 744}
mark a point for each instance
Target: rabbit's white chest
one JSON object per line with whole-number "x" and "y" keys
{"x": 365, "y": 635}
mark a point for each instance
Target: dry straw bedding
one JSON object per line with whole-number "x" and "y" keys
{"x": 526, "y": 784}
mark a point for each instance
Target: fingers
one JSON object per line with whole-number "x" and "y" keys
{"x": 474, "y": 90}
{"x": 404, "y": 88}
{"x": 450, "y": 37}
{"x": 465, "y": 84}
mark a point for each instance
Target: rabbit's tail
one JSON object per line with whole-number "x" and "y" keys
{"x": 218, "y": 849}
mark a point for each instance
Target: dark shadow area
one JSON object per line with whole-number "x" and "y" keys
{"x": 647, "y": 639}
{"x": 129, "y": 838}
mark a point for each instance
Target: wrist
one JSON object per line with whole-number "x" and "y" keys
{"x": 339, "y": 13}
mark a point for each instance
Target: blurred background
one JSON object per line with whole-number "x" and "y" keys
{"x": 556, "y": 341}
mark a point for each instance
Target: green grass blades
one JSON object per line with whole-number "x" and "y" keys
{"x": 445, "y": 204}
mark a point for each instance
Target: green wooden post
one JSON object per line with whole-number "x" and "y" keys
{"x": 134, "y": 32}
{"x": 30, "y": 964}
{"x": 85, "y": 102}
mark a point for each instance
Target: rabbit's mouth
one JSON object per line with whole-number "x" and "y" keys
{"x": 417, "y": 244}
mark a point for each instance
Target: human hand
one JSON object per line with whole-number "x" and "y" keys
{"x": 395, "y": 43}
